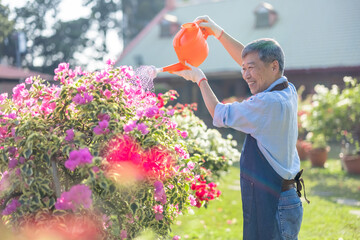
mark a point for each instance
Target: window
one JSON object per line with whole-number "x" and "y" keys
{"x": 265, "y": 15}
{"x": 169, "y": 26}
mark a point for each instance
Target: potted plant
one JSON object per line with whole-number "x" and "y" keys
{"x": 304, "y": 106}
{"x": 335, "y": 114}
{"x": 319, "y": 151}
{"x": 348, "y": 112}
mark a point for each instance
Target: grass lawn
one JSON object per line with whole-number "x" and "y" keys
{"x": 326, "y": 217}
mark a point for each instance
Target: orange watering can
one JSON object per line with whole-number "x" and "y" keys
{"x": 190, "y": 46}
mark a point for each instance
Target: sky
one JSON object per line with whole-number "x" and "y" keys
{"x": 71, "y": 10}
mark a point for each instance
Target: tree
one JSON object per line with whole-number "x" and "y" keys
{"x": 137, "y": 14}
{"x": 6, "y": 26}
{"x": 51, "y": 41}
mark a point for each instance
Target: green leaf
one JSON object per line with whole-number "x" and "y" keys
{"x": 28, "y": 153}
{"x": 134, "y": 207}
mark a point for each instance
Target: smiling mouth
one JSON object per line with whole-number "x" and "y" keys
{"x": 251, "y": 83}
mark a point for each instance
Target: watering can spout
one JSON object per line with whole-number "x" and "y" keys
{"x": 190, "y": 46}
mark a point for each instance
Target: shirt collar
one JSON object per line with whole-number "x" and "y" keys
{"x": 278, "y": 81}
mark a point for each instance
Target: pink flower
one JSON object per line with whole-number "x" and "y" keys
{"x": 192, "y": 200}
{"x": 184, "y": 134}
{"x": 78, "y": 99}
{"x": 107, "y": 94}
{"x": 77, "y": 196}
{"x": 28, "y": 80}
{"x": 159, "y": 216}
{"x": 80, "y": 157}
{"x": 172, "y": 125}
{"x": 130, "y": 126}
{"x": 13, "y": 163}
{"x": 160, "y": 194}
{"x": 98, "y": 130}
{"x": 181, "y": 151}
{"x": 103, "y": 116}
{"x": 110, "y": 62}
{"x": 151, "y": 112}
{"x": 69, "y": 135}
{"x": 143, "y": 128}
{"x": 123, "y": 234}
{"x": 103, "y": 124}
{"x": 11, "y": 207}
{"x": 158, "y": 209}
{"x": 61, "y": 68}
{"x": 191, "y": 165}
{"x": 176, "y": 237}
{"x": 171, "y": 112}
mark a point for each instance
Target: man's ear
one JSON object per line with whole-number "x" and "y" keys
{"x": 275, "y": 66}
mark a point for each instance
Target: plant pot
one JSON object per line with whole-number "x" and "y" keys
{"x": 318, "y": 157}
{"x": 351, "y": 163}
{"x": 302, "y": 152}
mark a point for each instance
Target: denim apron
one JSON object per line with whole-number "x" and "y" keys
{"x": 260, "y": 190}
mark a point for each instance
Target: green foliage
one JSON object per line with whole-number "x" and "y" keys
{"x": 335, "y": 113}
{"x": 6, "y": 26}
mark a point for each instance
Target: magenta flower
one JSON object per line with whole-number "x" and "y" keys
{"x": 176, "y": 237}
{"x": 107, "y": 94}
{"x": 130, "y": 126}
{"x": 69, "y": 135}
{"x": 103, "y": 124}
{"x": 151, "y": 111}
{"x": 143, "y": 128}
{"x": 159, "y": 216}
{"x": 77, "y": 158}
{"x": 78, "y": 99}
{"x": 103, "y": 116}
{"x": 11, "y": 207}
{"x": 160, "y": 194}
{"x": 98, "y": 130}
{"x": 13, "y": 163}
{"x": 61, "y": 68}
{"x": 102, "y": 127}
{"x": 184, "y": 134}
{"x": 110, "y": 62}
{"x": 158, "y": 209}
{"x": 28, "y": 80}
{"x": 123, "y": 234}
{"x": 77, "y": 196}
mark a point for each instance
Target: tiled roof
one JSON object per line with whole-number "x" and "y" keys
{"x": 10, "y": 72}
{"x": 314, "y": 34}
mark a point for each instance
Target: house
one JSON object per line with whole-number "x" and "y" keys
{"x": 321, "y": 41}
{"x": 11, "y": 76}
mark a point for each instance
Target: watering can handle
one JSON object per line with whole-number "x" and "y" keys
{"x": 205, "y": 32}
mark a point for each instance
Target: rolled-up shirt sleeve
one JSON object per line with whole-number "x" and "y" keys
{"x": 245, "y": 116}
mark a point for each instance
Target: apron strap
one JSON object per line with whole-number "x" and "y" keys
{"x": 299, "y": 184}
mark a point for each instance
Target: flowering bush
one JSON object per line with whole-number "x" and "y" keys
{"x": 212, "y": 151}
{"x": 97, "y": 157}
{"x": 335, "y": 113}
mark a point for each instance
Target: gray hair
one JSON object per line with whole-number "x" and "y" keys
{"x": 268, "y": 50}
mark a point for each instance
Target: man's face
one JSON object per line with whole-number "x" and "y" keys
{"x": 257, "y": 74}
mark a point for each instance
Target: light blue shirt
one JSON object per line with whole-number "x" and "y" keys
{"x": 271, "y": 118}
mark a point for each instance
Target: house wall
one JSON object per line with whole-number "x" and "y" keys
{"x": 233, "y": 85}
{"x": 6, "y": 85}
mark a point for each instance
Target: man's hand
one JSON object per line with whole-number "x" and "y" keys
{"x": 210, "y": 26}
{"x": 195, "y": 74}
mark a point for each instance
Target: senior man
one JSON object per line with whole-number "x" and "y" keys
{"x": 270, "y": 175}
